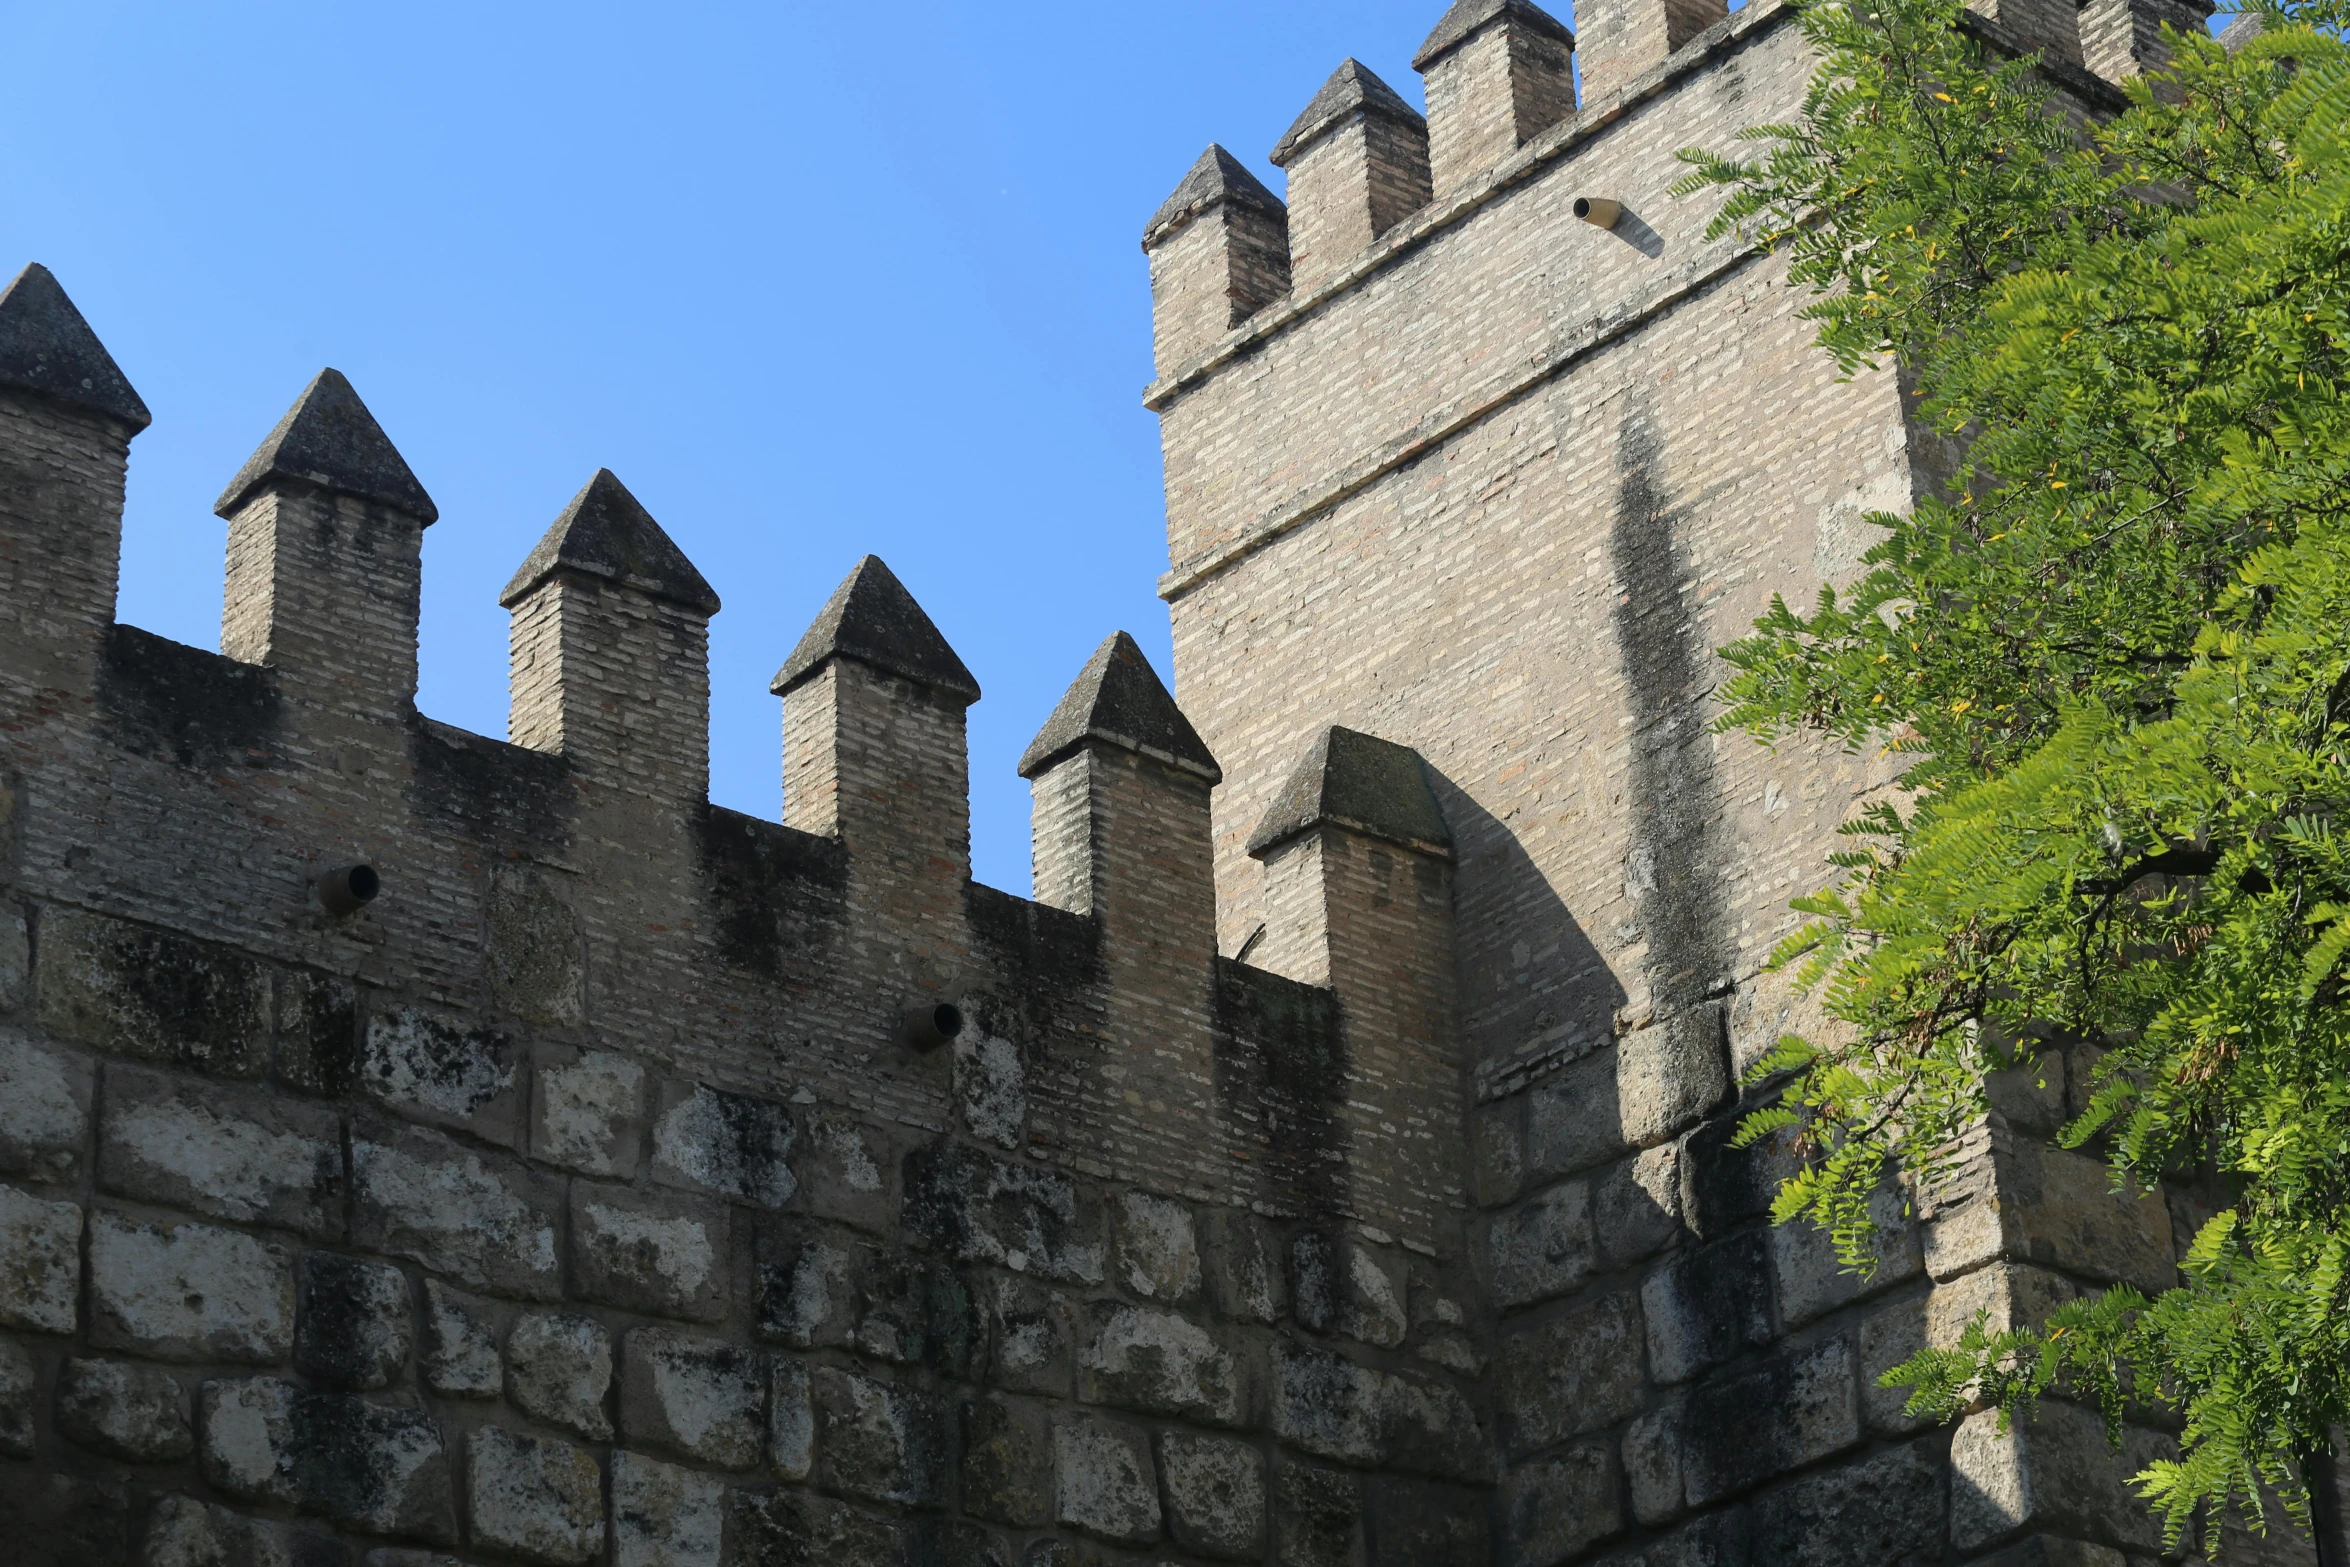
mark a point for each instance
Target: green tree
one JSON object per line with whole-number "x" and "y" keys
{"x": 2115, "y": 653}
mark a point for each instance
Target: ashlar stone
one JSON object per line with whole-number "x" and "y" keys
{"x": 459, "y": 1352}
{"x": 1215, "y": 1495}
{"x": 540, "y": 1500}
{"x": 1571, "y": 1373}
{"x": 486, "y": 1222}
{"x": 791, "y": 1419}
{"x": 226, "y": 1153}
{"x": 351, "y": 1321}
{"x": 1160, "y": 1363}
{"x": 184, "y": 1291}
{"x": 371, "y": 1467}
{"x": 20, "y": 1396}
{"x": 1242, "y": 1263}
{"x": 183, "y": 1532}
{"x": 1007, "y": 1463}
{"x": 40, "y": 1262}
{"x": 1652, "y": 1463}
{"x": 881, "y": 1441}
{"x": 1543, "y": 1248}
{"x": 44, "y": 1109}
{"x": 847, "y": 1171}
{"x": 1636, "y": 1205}
{"x": 644, "y": 1254}
{"x": 793, "y": 1529}
{"x": 1704, "y": 1306}
{"x": 444, "y": 1070}
{"x": 559, "y": 1368}
{"x": 1317, "y": 1517}
{"x": 1017, "y": 1216}
{"x": 1034, "y": 1332}
{"x": 1793, "y": 1409}
{"x": 706, "y": 1139}
{"x": 702, "y": 1399}
{"x": 1557, "y": 1507}
{"x": 1106, "y": 1482}
{"x": 807, "y": 1289}
{"x": 590, "y": 1112}
{"x": 664, "y": 1515}
{"x": 153, "y": 995}
{"x": 136, "y": 1413}
{"x": 1158, "y": 1247}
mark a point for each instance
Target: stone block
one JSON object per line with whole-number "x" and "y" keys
{"x": 135, "y": 1413}
{"x": 40, "y": 1262}
{"x": 179, "y": 1291}
{"x": 1636, "y": 1205}
{"x": 1724, "y": 1186}
{"x": 981, "y": 1209}
{"x": 791, "y": 1529}
{"x": 1574, "y": 1372}
{"x": 152, "y": 995}
{"x": 1327, "y": 1405}
{"x": 1497, "y": 1147}
{"x": 917, "y": 1311}
{"x": 536, "y": 1499}
{"x": 44, "y": 1108}
{"x": 2053, "y": 1472}
{"x": 2043, "y": 1550}
{"x": 486, "y": 1222}
{"x": 369, "y": 1467}
{"x": 1317, "y": 1517}
{"x": 351, "y": 1321}
{"x": 1882, "y": 1511}
{"x": 954, "y": 1544}
{"x": 665, "y": 1516}
{"x": 459, "y": 1351}
{"x": 1670, "y": 1074}
{"x": 645, "y": 1254}
{"x": 848, "y": 1170}
{"x": 1427, "y": 1427}
{"x": 807, "y": 1289}
{"x": 1542, "y": 1248}
{"x": 1215, "y": 1495}
{"x": 1160, "y": 1363}
{"x": 20, "y": 1399}
{"x": 226, "y": 1153}
{"x": 2030, "y": 1203}
{"x": 559, "y": 1368}
{"x": 1424, "y": 1522}
{"x": 1652, "y": 1463}
{"x": 183, "y": 1532}
{"x": 1555, "y": 1508}
{"x": 1241, "y": 1262}
{"x": 1007, "y": 1463}
{"x": 1034, "y": 1332}
{"x": 708, "y": 1140}
{"x": 1158, "y": 1247}
{"x": 589, "y": 1114}
{"x": 1706, "y": 1305}
{"x": 446, "y": 1071}
{"x": 1571, "y": 1119}
{"x": 1104, "y": 1480}
{"x": 534, "y": 951}
{"x": 991, "y": 1088}
{"x": 1718, "y": 1539}
{"x": 702, "y": 1399}
{"x": 1347, "y": 1288}
{"x": 791, "y": 1420}
{"x": 1812, "y": 1281}
{"x": 882, "y": 1441}
{"x": 2007, "y": 1295}
{"x": 1889, "y": 1335}
{"x": 1793, "y": 1409}
{"x": 317, "y": 1048}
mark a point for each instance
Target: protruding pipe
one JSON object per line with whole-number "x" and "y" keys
{"x": 932, "y": 1024}
{"x": 1598, "y": 211}
{"x": 346, "y": 889}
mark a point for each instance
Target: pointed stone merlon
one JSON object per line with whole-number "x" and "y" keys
{"x": 325, "y": 557}
{"x": 2053, "y": 29}
{"x": 2122, "y": 39}
{"x": 1357, "y": 161}
{"x": 1623, "y": 40}
{"x": 67, "y": 415}
{"x": 1219, "y": 253}
{"x": 1358, "y": 892}
{"x": 874, "y": 748}
{"x": 1497, "y": 74}
{"x": 610, "y": 648}
{"x": 1120, "y": 782}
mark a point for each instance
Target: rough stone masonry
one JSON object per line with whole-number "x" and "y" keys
{"x": 1328, "y": 1168}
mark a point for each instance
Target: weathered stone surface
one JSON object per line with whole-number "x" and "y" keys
{"x": 883, "y": 1441}
{"x": 1215, "y": 1494}
{"x": 1346, "y": 1288}
{"x": 370, "y": 1467}
{"x": 227, "y": 1153}
{"x": 1889, "y": 1335}
{"x": 1158, "y": 1248}
{"x": 1652, "y": 1463}
{"x": 705, "y": 1139}
{"x": 1017, "y": 1216}
{"x": 644, "y": 1254}
{"x": 1007, "y": 1463}
{"x": 1242, "y": 1264}
{"x": 1789, "y": 1411}
{"x": 317, "y": 1034}
{"x": 1884, "y": 1511}
{"x": 2053, "y": 1472}
{"x": 487, "y": 1222}
{"x": 2007, "y": 1295}
{"x": 40, "y": 1262}
{"x": 1573, "y": 1373}
{"x": 807, "y": 1286}
{"x": 1034, "y": 1332}
{"x": 1317, "y": 1517}
{"x": 791, "y": 1419}
{"x": 179, "y": 1291}
{"x": 351, "y": 1321}
{"x": 1704, "y": 1306}
{"x": 1160, "y": 1363}
{"x": 153, "y": 995}
{"x": 559, "y": 1368}
{"x": 792, "y": 1529}
{"x": 1724, "y": 1186}
{"x": 1812, "y": 1281}
{"x": 1636, "y": 1205}
{"x": 703, "y": 1399}
{"x": 918, "y": 1312}
{"x": 183, "y": 1532}
{"x": 540, "y": 1500}
{"x": 1332, "y": 1407}
{"x": 20, "y": 1395}
{"x": 665, "y": 1516}
{"x": 590, "y": 1112}
{"x": 848, "y": 1171}
{"x": 444, "y": 1070}
{"x": 1497, "y": 1151}
{"x": 1555, "y": 1508}
{"x": 1422, "y": 1521}
{"x": 44, "y": 1108}
{"x": 991, "y": 1086}
{"x": 1106, "y": 1483}
{"x": 536, "y": 958}
{"x": 459, "y": 1351}
{"x": 1541, "y": 1249}
{"x": 1719, "y": 1539}
{"x": 132, "y": 1412}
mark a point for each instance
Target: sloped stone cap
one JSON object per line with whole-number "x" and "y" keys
{"x": 328, "y": 438}
{"x": 1119, "y": 699}
{"x": 606, "y": 532}
{"x": 1468, "y": 18}
{"x": 1217, "y": 178}
{"x": 46, "y": 347}
{"x": 1352, "y": 87}
{"x": 1351, "y": 779}
{"x": 2241, "y": 31}
{"x": 874, "y": 620}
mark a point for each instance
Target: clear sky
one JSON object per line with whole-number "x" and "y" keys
{"x": 814, "y": 281}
